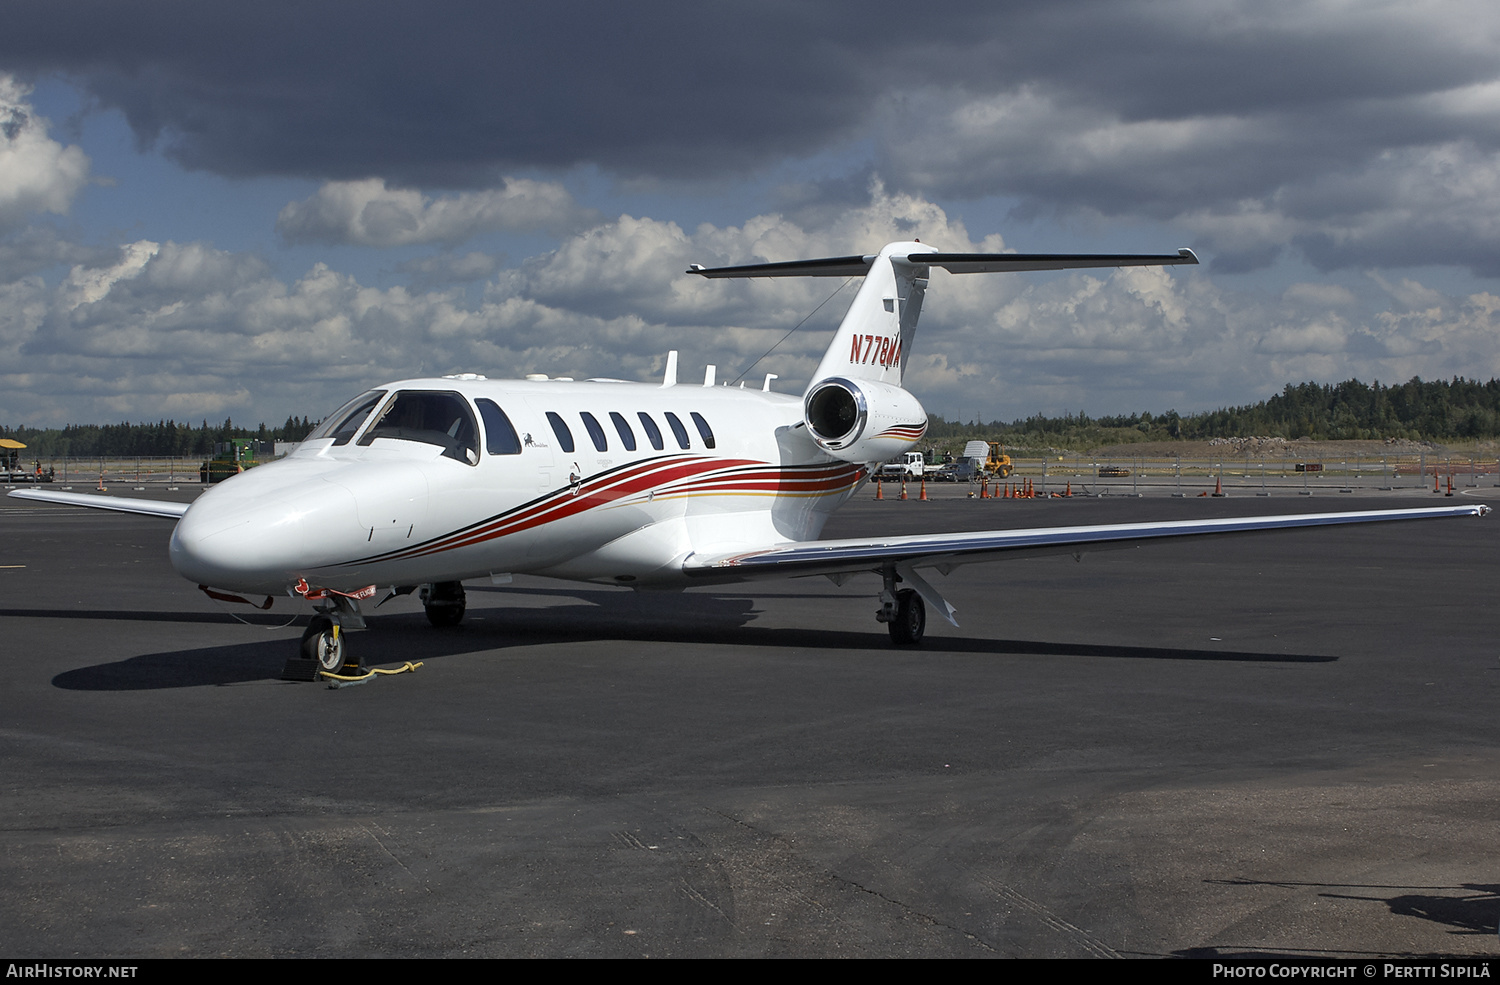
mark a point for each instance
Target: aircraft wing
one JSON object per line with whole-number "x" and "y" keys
{"x": 120, "y": 504}
{"x": 944, "y": 551}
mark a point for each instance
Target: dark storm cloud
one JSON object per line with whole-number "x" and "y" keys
{"x": 449, "y": 93}
{"x": 456, "y": 92}
{"x": 1257, "y": 124}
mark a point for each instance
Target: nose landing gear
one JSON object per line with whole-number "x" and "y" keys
{"x": 324, "y": 643}
{"x": 325, "y": 646}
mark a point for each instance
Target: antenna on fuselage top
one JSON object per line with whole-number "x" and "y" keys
{"x": 669, "y": 378}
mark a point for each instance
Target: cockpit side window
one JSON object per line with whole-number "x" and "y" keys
{"x": 342, "y": 424}
{"x": 623, "y": 426}
{"x": 652, "y": 431}
{"x": 560, "y": 428}
{"x": 596, "y": 433}
{"x": 678, "y": 431}
{"x": 499, "y": 434}
{"x": 434, "y": 417}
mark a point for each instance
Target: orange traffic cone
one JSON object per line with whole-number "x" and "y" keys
{"x": 1436, "y": 486}
{"x": 1219, "y": 486}
{"x": 1450, "y": 483}
{"x": 1068, "y": 492}
{"x": 879, "y": 489}
{"x": 101, "y": 483}
{"x": 923, "y": 497}
{"x": 903, "y": 487}
{"x": 984, "y": 488}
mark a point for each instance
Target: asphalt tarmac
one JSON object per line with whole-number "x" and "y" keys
{"x": 1271, "y": 745}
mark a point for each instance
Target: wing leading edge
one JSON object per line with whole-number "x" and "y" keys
{"x": 944, "y": 550}
{"x": 120, "y": 504}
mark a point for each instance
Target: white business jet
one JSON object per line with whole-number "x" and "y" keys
{"x": 423, "y": 484}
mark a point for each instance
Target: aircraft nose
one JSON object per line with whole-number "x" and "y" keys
{"x": 260, "y": 543}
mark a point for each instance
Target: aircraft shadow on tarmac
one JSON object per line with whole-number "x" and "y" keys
{"x": 1476, "y": 913}
{"x": 707, "y": 619}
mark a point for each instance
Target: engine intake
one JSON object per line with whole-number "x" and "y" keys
{"x": 863, "y": 420}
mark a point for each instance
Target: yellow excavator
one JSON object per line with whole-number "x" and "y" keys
{"x": 997, "y": 464}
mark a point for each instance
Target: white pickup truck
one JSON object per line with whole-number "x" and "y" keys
{"x": 910, "y": 466}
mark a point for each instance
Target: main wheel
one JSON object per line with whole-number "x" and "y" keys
{"x": 446, "y": 603}
{"x": 911, "y": 619}
{"x": 324, "y": 642}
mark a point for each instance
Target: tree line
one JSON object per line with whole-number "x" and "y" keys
{"x": 163, "y": 439}
{"x": 1439, "y": 410}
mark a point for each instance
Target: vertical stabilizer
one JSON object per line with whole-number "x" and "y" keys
{"x": 875, "y": 337}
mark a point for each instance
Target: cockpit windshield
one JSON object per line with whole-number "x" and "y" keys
{"x": 342, "y": 424}
{"x": 435, "y": 417}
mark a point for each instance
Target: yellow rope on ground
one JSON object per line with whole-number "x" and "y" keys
{"x": 407, "y": 668}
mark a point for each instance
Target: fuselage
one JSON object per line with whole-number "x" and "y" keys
{"x": 437, "y": 480}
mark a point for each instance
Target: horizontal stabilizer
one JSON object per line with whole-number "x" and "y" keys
{"x": 149, "y": 507}
{"x": 830, "y": 267}
{"x": 990, "y": 263}
{"x": 956, "y": 263}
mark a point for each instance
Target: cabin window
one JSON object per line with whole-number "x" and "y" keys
{"x": 560, "y": 428}
{"x": 344, "y": 422}
{"x": 499, "y": 434}
{"x": 596, "y": 433}
{"x": 653, "y": 433}
{"x": 623, "y": 426}
{"x": 706, "y": 432}
{"x": 678, "y": 431}
{"x": 434, "y": 417}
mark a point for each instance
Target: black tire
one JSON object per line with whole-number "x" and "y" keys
{"x": 446, "y": 604}
{"x": 325, "y": 644}
{"x": 911, "y": 619}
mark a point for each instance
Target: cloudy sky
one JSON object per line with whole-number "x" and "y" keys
{"x": 257, "y": 210}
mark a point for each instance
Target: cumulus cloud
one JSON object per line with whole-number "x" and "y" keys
{"x": 187, "y": 330}
{"x": 447, "y": 268}
{"x": 367, "y": 213}
{"x": 37, "y": 174}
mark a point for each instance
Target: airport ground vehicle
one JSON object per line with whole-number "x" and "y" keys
{"x": 989, "y": 459}
{"x": 11, "y": 470}
{"x": 231, "y": 458}
{"x": 911, "y": 465}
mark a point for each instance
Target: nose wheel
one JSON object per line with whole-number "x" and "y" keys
{"x": 444, "y": 603}
{"x": 326, "y": 644}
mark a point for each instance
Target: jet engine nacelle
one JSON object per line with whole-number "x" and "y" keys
{"x": 862, "y": 420}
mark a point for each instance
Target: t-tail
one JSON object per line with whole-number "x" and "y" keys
{"x": 855, "y": 406}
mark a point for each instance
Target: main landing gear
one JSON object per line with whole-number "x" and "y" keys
{"x": 444, "y": 602}
{"x": 902, "y": 611}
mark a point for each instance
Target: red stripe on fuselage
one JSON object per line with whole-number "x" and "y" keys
{"x": 675, "y": 475}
